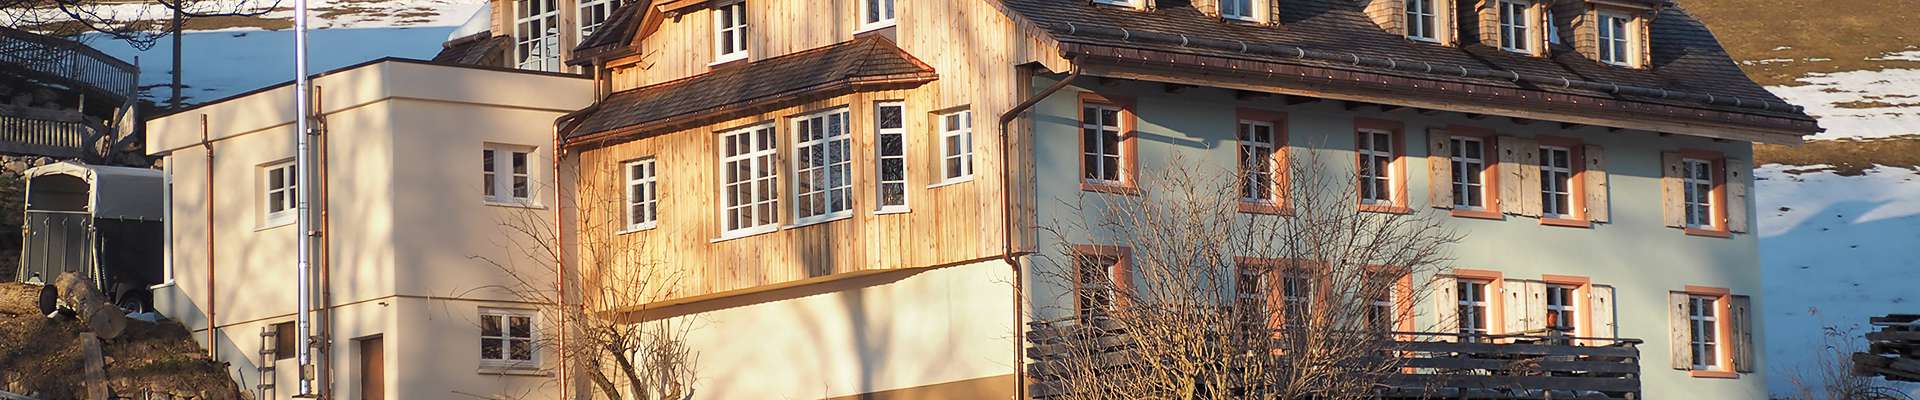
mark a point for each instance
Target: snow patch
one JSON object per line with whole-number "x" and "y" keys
{"x": 1909, "y": 55}
{"x": 1834, "y": 250}
{"x": 321, "y": 13}
{"x": 1859, "y": 104}
{"x": 481, "y": 21}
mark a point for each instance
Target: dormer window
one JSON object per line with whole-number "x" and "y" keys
{"x": 730, "y": 32}
{"x": 1616, "y": 39}
{"x": 875, "y": 14}
{"x": 1421, "y": 21}
{"x": 1240, "y": 10}
{"x": 1514, "y": 25}
{"x": 1122, "y": 3}
{"x": 1553, "y": 29}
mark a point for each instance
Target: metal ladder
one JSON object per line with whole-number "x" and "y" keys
{"x": 269, "y": 354}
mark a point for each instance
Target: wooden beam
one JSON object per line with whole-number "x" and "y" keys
{"x": 1174, "y": 87}
{"x": 1569, "y": 125}
{"x": 1352, "y": 105}
{"x": 1250, "y": 95}
{"x": 1423, "y": 111}
{"x": 1389, "y": 107}
{"x": 1294, "y": 100}
{"x": 1474, "y": 116}
{"x": 1520, "y": 121}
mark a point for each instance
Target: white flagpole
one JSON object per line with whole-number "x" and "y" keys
{"x": 303, "y": 167}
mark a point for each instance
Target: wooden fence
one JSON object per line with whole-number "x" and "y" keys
{"x": 56, "y": 58}
{"x": 1893, "y": 351}
{"x": 1433, "y": 366}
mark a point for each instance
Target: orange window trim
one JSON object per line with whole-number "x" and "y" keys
{"x": 1282, "y": 184}
{"x": 1276, "y": 268}
{"x": 1718, "y": 161}
{"x": 1583, "y": 301}
{"x": 1723, "y": 329}
{"x": 1121, "y": 272}
{"x": 1402, "y": 296}
{"x": 1577, "y": 188}
{"x": 1129, "y": 184}
{"x": 1489, "y": 172}
{"x": 1397, "y": 171}
{"x": 1496, "y": 304}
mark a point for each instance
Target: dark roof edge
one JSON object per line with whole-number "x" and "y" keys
{"x": 798, "y": 96}
{"x": 1302, "y": 53}
{"x": 402, "y": 60}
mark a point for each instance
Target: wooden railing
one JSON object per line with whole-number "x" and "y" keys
{"x": 1431, "y": 365}
{"x": 53, "y": 57}
{"x": 52, "y": 133}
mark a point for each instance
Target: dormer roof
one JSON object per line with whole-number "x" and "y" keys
{"x": 618, "y": 35}
{"x": 1690, "y": 72}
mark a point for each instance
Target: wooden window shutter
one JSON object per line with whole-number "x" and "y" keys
{"x": 1513, "y": 311}
{"x": 1510, "y": 174}
{"x": 1121, "y": 273}
{"x": 1439, "y": 168}
{"x": 1672, "y": 190}
{"x": 1530, "y": 177}
{"x": 1595, "y": 175}
{"x": 1738, "y": 193}
{"x": 1600, "y": 306}
{"x": 1536, "y": 306}
{"x": 1679, "y": 338}
{"x": 1742, "y": 333}
{"x": 1446, "y": 302}
{"x": 1276, "y": 296}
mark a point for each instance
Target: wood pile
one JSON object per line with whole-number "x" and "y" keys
{"x": 1893, "y": 351}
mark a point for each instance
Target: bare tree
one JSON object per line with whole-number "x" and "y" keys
{"x": 622, "y": 358}
{"x": 140, "y": 23}
{"x": 1299, "y": 299}
{"x": 1831, "y": 376}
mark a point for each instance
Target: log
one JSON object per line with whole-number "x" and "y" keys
{"x": 96, "y": 367}
{"x": 104, "y": 319}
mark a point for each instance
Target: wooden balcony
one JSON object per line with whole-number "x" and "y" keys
{"x": 1445, "y": 366}
{"x": 68, "y": 62}
{"x": 52, "y": 133}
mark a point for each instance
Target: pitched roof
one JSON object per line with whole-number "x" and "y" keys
{"x": 480, "y": 49}
{"x": 1689, "y": 67}
{"x": 614, "y": 34}
{"x": 870, "y": 62}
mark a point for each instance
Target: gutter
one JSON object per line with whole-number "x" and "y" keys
{"x": 1389, "y": 63}
{"x": 1006, "y": 230}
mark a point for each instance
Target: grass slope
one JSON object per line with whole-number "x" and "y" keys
{"x": 44, "y": 354}
{"x": 1779, "y": 41}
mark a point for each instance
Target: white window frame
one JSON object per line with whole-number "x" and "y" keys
{"x": 1296, "y": 295}
{"x": 878, "y": 14}
{"x": 1515, "y": 27}
{"x": 1380, "y": 174}
{"x": 1563, "y": 301}
{"x": 1556, "y": 182}
{"x": 1122, "y": 3}
{"x": 642, "y": 194}
{"x": 586, "y": 23}
{"x": 761, "y": 177}
{"x": 1474, "y": 308}
{"x": 1706, "y": 347}
{"x": 727, "y": 31}
{"x": 289, "y": 203}
{"x": 1254, "y": 152}
{"x": 1090, "y": 287}
{"x": 1239, "y": 10}
{"x": 539, "y": 51}
{"x": 1698, "y": 202}
{"x": 501, "y": 178}
{"x": 881, "y": 158}
{"x": 1383, "y": 308}
{"x": 832, "y": 155}
{"x": 1422, "y": 22}
{"x": 1616, "y": 39}
{"x": 1105, "y": 127}
{"x": 1249, "y": 291}
{"x": 956, "y": 146}
{"x": 1464, "y": 166}
{"x": 506, "y": 338}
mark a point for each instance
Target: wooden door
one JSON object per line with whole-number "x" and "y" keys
{"x": 373, "y": 369}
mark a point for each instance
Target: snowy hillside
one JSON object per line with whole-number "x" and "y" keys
{"x": 1867, "y": 103}
{"x": 237, "y": 57}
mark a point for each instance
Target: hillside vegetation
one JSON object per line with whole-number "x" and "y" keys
{"x": 1778, "y": 41}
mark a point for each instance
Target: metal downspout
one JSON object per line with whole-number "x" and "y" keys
{"x": 213, "y": 294}
{"x": 1007, "y": 229}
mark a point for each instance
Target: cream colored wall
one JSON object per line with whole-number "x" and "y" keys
{"x": 405, "y": 217}
{"x": 937, "y": 326}
{"x": 1635, "y": 253}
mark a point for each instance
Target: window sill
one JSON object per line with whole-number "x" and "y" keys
{"x": 729, "y": 59}
{"x": 1570, "y": 223}
{"x": 1385, "y": 209}
{"x": 1714, "y": 374}
{"x": 819, "y": 219}
{"x": 951, "y": 182}
{"x": 1113, "y": 188}
{"x": 1265, "y": 209}
{"x": 638, "y": 228}
{"x": 163, "y": 285}
{"x": 1423, "y": 39}
{"x": 745, "y": 232}
{"x": 1712, "y": 233}
{"x": 512, "y": 371}
{"x": 528, "y": 204}
{"x": 892, "y": 210}
{"x": 1478, "y": 214}
{"x": 877, "y": 26}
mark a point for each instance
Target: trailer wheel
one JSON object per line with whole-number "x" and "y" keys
{"x": 131, "y": 299}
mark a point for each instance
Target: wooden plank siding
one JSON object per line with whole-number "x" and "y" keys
{"x": 977, "y": 52}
